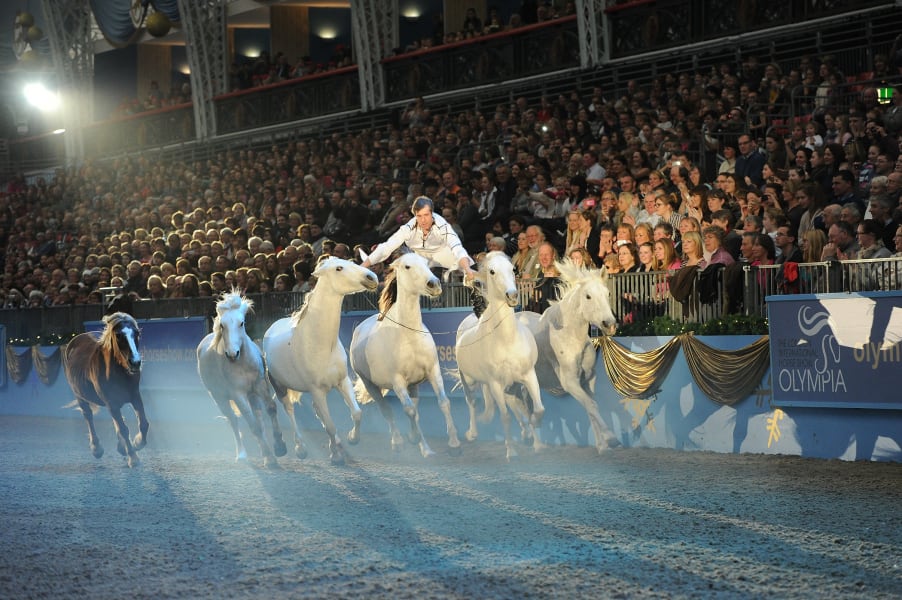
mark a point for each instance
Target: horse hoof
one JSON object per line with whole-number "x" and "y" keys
{"x": 614, "y": 443}
{"x": 271, "y": 463}
{"x": 97, "y": 451}
{"x": 353, "y": 437}
{"x": 337, "y": 459}
{"x": 138, "y": 442}
{"x": 279, "y": 448}
{"x": 455, "y": 450}
{"x": 121, "y": 449}
{"x": 300, "y": 452}
{"x": 133, "y": 462}
{"x": 472, "y": 436}
{"x": 241, "y": 457}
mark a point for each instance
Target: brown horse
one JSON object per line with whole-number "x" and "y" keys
{"x": 106, "y": 371}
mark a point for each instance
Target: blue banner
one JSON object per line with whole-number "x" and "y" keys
{"x": 168, "y": 352}
{"x": 836, "y": 350}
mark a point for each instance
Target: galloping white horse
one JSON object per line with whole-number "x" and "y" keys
{"x": 231, "y": 367}
{"x": 566, "y": 354}
{"x": 303, "y": 352}
{"x": 497, "y": 351}
{"x": 394, "y": 349}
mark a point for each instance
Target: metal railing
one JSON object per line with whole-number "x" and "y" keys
{"x": 634, "y": 297}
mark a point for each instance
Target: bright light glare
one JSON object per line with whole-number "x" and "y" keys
{"x": 328, "y": 33}
{"x": 58, "y": 131}
{"x": 185, "y": 69}
{"x": 411, "y": 12}
{"x": 40, "y": 97}
{"x": 252, "y": 52}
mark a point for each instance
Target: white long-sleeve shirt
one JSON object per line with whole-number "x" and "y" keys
{"x": 440, "y": 244}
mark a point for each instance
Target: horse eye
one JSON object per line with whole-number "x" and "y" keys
{"x": 407, "y": 267}
{"x": 339, "y": 268}
{"x": 241, "y": 325}
{"x": 492, "y": 272}
{"x": 588, "y": 297}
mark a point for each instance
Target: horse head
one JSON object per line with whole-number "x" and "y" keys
{"x": 496, "y": 280}
{"x": 344, "y": 277}
{"x": 586, "y": 293}
{"x": 414, "y": 276}
{"x": 120, "y": 341}
{"x": 228, "y": 327}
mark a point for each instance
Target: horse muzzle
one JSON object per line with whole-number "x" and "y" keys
{"x": 512, "y": 297}
{"x": 233, "y": 356}
{"x": 434, "y": 288}
{"x": 134, "y": 367}
{"x": 370, "y": 282}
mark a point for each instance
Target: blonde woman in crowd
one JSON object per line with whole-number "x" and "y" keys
{"x": 581, "y": 258}
{"x": 521, "y": 256}
{"x": 643, "y": 233}
{"x": 693, "y": 250}
{"x": 579, "y": 227}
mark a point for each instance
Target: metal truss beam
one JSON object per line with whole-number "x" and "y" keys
{"x": 591, "y": 22}
{"x": 374, "y": 31}
{"x": 204, "y": 24}
{"x": 69, "y": 31}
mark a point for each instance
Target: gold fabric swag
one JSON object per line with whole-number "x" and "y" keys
{"x": 725, "y": 376}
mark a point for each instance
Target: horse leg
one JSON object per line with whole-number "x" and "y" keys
{"x": 300, "y": 450}
{"x": 517, "y": 406}
{"x": 253, "y": 414}
{"x": 225, "y": 407}
{"x": 604, "y": 437}
{"x": 125, "y": 445}
{"x": 445, "y": 406}
{"x": 140, "y": 439}
{"x": 497, "y": 392}
{"x": 337, "y": 453}
{"x": 538, "y": 409}
{"x": 265, "y": 396}
{"x": 472, "y": 432}
{"x": 409, "y": 400}
{"x": 93, "y": 440}
{"x": 347, "y": 392}
{"x": 397, "y": 442}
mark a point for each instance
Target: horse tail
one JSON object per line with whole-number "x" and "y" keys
{"x": 360, "y": 392}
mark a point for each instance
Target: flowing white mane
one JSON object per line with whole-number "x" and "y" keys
{"x": 229, "y": 301}
{"x": 573, "y": 275}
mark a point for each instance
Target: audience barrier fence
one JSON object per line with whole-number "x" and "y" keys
{"x": 702, "y": 296}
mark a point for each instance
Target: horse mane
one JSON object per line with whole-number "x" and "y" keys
{"x": 108, "y": 346}
{"x": 573, "y": 275}
{"x": 389, "y": 294}
{"x": 228, "y": 301}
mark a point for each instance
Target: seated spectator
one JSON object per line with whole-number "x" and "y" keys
{"x": 693, "y": 251}
{"x": 714, "y": 252}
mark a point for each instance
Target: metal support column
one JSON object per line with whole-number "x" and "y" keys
{"x": 592, "y": 44}
{"x": 204, "y": 24}
{"x": 72, "y": 49}
{"x": 374, "y": 28}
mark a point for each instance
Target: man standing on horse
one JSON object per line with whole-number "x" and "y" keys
{"x": 433, "y": 238}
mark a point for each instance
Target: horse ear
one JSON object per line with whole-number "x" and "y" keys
{"x": 363, "y": 255}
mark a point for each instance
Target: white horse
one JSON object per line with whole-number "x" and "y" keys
{"x": 303, "y": 352}
{"x": 231, "y": 368}
{"x": 394, "y": 349}
{"x": 566, "y": 354}
{"x": 497, "y": 351}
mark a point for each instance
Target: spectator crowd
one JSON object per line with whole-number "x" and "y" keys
{"x": 690, "y": 170}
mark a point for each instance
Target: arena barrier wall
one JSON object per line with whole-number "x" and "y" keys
{"x": 678, "y": 415}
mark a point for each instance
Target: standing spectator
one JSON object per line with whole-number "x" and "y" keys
{"x": 750, "y": 162}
